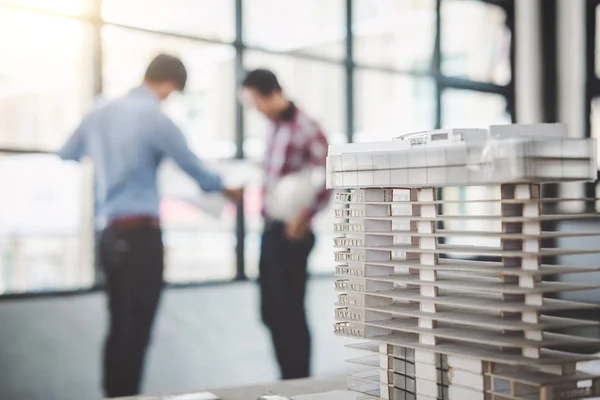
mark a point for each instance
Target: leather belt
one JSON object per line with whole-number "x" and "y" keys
{"x": 134, "y": 221}
{"x": 270, "y": 223}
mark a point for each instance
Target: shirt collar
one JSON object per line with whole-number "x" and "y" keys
{"x": 145, "y": 91}
{"x": 289, "y": 114}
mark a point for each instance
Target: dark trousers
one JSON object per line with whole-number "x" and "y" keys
{"x": 132, "y": 259}
{"x": 282, "y": 282}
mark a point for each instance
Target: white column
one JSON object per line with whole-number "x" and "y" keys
{"x": 426, "y": 362}
{"x": 528, "y": 85}
{"x": 571, "y": 85}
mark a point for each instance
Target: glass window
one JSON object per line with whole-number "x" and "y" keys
{"x": 475, "y": 41}
{"x": 318, "y": 88}
{"x": 47, "y": 62}
{"x": 394, "y": 33}
{"x": 199, "y": 246}
{"x": 388, "y": 105}
{"x": 206, "y": 110}
{"x": 208, "y": 19}
{"x": 308, "y": 26}
{"x": 69, "y": 7}
{"x": 46, "y": 227}
{"x": 470, "y": 109}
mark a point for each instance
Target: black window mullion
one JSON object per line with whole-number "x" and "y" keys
{"x": 510, "y": 22}
{"x": 97, "y": 25}
{"x": 548, "y": 31}
{"x": 476, "y": 86}
{"x": 349, "y": 64}
{"x": 436, "y": 64}
{"x": 436, "y": 69}
{"x": 240, "y": 224}
{"x": 592, "y": 87}
{"x": 506, "y": 4}
{"x": 97, "y": 75}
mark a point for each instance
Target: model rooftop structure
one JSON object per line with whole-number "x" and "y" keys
{"x": 461, "y": 157}
{"x": 446, "y": 327}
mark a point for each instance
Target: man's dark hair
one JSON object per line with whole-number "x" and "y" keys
{"x": 263, "y": 81}
{"x": 167, "y": 68}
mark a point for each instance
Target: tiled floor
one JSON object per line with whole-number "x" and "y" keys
{"x": 205, "y": 337}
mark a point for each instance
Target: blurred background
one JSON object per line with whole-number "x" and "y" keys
{"x": 366, "y": 69}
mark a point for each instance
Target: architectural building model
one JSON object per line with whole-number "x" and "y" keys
{"x": 439, "y": 322}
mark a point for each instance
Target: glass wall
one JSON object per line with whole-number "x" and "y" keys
{"x": 47, "y": 61}
{"x": 365, "y": 69}
{"x": 311, "y": 27}
{"x": 46, "y": 229}
{"x": 389, "y": 104}
{"x": 397, "y": 34}
{"x": 483, "y": 56}
{"x": 207, "y": 19}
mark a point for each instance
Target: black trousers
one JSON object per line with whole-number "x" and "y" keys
{"x": 283, "y": 274}
{"x": 132, "y": 259}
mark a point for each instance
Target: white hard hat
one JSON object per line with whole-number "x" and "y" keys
{"x": 294, "y": 193}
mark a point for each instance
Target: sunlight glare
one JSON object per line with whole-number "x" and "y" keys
{"x": 70, "y": 7}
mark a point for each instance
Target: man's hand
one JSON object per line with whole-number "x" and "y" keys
{"x": 235, "y": 195}
{"x": 298, "y": 228}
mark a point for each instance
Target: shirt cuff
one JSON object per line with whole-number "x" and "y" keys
{"x": 65, "y": 156}
{"x": 308, "y": 214}
{"x": 215, "y": 184}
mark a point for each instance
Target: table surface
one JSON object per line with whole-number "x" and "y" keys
{"x": 284, "y": 388}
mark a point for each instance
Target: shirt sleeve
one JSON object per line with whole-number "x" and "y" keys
{"x": 170, "y": 141}
{"x": 73, "y": 149}
{"x": 317, "y": 156}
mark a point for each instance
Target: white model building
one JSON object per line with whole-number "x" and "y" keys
{"x": 444, "y": 327}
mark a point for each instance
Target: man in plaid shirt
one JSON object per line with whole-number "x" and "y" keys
{"x": 296, "y": 143}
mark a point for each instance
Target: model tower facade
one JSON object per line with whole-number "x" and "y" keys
{"x": 462, "y": 322}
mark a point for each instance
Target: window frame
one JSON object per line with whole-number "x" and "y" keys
{"x": 350, "y": 66}
{"x": 592, "y": 89}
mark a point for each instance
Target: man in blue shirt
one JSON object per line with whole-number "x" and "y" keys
{"x": 127, "y": 139}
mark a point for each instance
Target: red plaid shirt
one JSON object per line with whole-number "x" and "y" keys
{"x": 296, "y": 142}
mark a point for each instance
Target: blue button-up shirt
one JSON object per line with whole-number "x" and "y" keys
{"x": 127, "y": 139}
